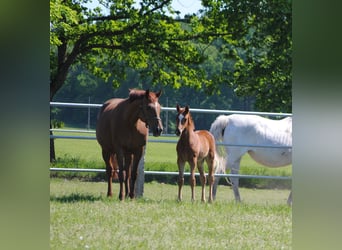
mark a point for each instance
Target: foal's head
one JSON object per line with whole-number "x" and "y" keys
{"x": 150, "y": 112}
{"x": 183, "y": 119}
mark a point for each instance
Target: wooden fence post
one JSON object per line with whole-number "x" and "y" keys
{"x": 139, "y": 187}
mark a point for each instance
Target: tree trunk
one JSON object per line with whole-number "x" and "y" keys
{"x": 55, "y": 84}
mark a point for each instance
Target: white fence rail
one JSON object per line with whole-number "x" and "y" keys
{"x": 174, "y": 173}
{"x": 194, "y": 110}
{"x": 88, "y": 105}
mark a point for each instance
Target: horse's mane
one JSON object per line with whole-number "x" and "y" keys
{"x": 191, "y": 121}
{"x": 135, "y": 94}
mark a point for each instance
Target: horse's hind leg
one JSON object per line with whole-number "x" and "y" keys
{"x": 234, "y": 169}
{"x": 109, "y": 171}
{"x": 202, "y": 178}
{"x": 122, "y": 175}
{"x": 216, "y": 182}
{"x": 115, "y": 167}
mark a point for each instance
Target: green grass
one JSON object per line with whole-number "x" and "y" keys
{"x": 82, "y": 217}
{"x": 159, "y": 157}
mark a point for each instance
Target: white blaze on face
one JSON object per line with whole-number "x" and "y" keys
{"x": 180, "y": 117}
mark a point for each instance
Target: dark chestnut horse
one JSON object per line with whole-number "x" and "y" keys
{"x": 194, "y": 147}
{"x": 122, "y": 130}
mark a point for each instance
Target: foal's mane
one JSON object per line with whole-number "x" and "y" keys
{"x": 191, "y": 121}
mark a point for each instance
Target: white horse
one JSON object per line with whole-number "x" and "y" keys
{"x": 253, "y": 130}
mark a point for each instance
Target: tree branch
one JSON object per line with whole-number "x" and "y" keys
{"x": 158, "y": 6}
{"x": 101, "y": 46}
{"x": 108, "y": 18}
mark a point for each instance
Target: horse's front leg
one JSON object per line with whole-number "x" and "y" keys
{"x": 122, "y": 175}
{"x": 127, "y": 167}
{"x": 181, "y": 165}
{"x": 202, "y": 178}
{"x": 109, "y": 172}
{"x": 136, "y": 159}
{"x": 193, "y": 164}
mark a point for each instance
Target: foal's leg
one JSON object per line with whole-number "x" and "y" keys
{"x": 193, "y": 164}
{"x": 181, "y": 165}
{"x": 109, "y": 171}
{"x": 202, "y": 178}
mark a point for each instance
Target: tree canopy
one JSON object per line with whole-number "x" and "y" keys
{"x": 259, "y": 44}
{"x": 243, "y": 45}
{"x": 145, "y": 38}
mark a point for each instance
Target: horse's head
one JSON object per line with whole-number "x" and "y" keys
{"x": 182, "y": 119}
{"x": 151, "y": 112}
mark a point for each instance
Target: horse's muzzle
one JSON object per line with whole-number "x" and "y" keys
{"x": 177, "y": 132}
{"x": 157, "y": 131}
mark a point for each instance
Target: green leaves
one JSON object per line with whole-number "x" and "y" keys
{"x": 246, "y": 45}
{"x": 144, "y": 38}
{"x": 260, "y": 46}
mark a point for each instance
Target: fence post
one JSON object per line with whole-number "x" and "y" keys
{"x": 139, "y": 187}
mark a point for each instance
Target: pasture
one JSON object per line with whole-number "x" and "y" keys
{"x": 82, "y": 217}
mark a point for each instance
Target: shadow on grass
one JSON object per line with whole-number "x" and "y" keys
{"x": 73, "y": 198}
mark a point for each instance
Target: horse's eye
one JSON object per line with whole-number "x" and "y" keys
{"x": 183, "y": 120}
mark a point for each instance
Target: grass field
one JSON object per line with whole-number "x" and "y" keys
{"x": 81, "y": 217}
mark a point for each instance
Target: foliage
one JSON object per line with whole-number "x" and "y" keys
{"x": 81, "y": 86}
{"x": 259, "y": 44}
{"x": 143, "y": 37}
{"x": 242, "y": 46}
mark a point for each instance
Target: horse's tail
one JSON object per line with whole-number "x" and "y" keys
{"x": 220, "y": 164}
{"x": 218, "y": 126}
{"x": 217, "y": 129}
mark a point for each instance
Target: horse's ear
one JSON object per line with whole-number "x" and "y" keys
{"x": 187, "y": 108}
{"x": 159, "y": 93}
{"x": 147, "y": 93}
{"x": 177, "y": 107}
